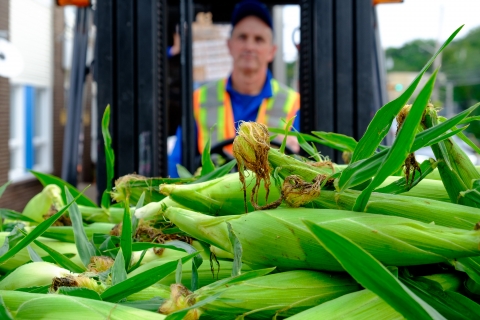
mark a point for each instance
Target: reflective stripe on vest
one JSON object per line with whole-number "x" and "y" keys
{"x": 212, "y": 108}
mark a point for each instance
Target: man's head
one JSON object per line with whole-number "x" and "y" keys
{"x": 251, "y": 43}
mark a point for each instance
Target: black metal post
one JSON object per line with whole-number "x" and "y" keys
{"x": 339, "y": 82}
{"x": 75, "y": 94}
{"x": 189, "y": 143}
{"x": 160, "y": 90}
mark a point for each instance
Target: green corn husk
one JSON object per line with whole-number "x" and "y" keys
{"x": 425, "y": 210}
{"x": 221, "y": 254}
{"x": 279, "y": 238}
{"x": 155, "y": 210}
{"x": 35, "y": 274}
{"x": 426, "y": 188}
{"x": 156, "y": 290}
{"x": 456, "y": 170}
{"x": 280, "y": 294}
{"x": 26, "y": 305}
{"x": 222, "y": 196}
{"x": 132, "y": 186}
{"x": 448, "y": 281}
{"x": 93, "y": 214}
{"x": 356, "y": 305}
{"x": 290, "y": 166}
{"x": 435, "y": 174}
{"x": 207, "y": 273}
{"x": 65, "y": 233}
{"x": 41, "y": 204}
{"x": 23, "y": 256}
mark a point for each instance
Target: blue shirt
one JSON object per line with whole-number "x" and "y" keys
{"x": 245, "y": 107}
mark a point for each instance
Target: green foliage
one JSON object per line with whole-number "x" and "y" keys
{"x": 412, "y": 56}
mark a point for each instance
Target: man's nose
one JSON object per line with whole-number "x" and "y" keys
{"x": 249, "y": 44}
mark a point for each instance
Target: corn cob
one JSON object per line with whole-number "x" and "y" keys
{"x": 41, "y": 204}
{"x": 251, "y": 149}
{"x": 155, "y": 210}
{"x": 32, "y": 275}
{"x": 281, "y": 294}
{"x": 356, "y": 305}
{"x": 26, "y": 305}
{"x": 92, "y": 214}
{"x": 156, "y": 290}
{"x": 23, "y": 257}
{"x": 222, "y": 196}
{"x": 132, "y": 186}
{"x": 425, "y": 210}
{"x": 455, "y": 168}
{"x": 279, "y": 238}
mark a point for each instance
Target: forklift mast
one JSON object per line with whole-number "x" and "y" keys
{"x": 341, "y": 76}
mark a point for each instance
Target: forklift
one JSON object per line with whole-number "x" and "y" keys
{"x": 341, "y": 76}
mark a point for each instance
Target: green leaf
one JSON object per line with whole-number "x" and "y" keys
{"x": 470, "y": 265}
{"x": 4, "y": 312}
{"x": 242, "y": 277}
{"x": 59, "y": 258}
{"x": 14, "y": 215}
{"x": 33, "y": 255}
{"x": 79, "y": 292}
{"x": 109, "y": 157}
{"x": 451, "y": 305}
{"x": 424, "y": 138}
{"x": 36, "y": 232}
{"x": 183, "y": 172}
{"x": 126, "y": 237}
{"x": 12, "y": 239}
{"x": 175, "y": 245}
{"x": 237, "y": 251}
{"x": 218, "y": 172}
{"x": 285, "y": 132}
{"x": 141, "y": 281}
{"x": 36, "y": 289}
{"x": 2, "y": 188}
{"x": 402, "y": 185}
{"x": 207, "y": 163}
{"x": 465, "y": 139}
{"x": 310, "y": 149}
{"x": 178, "y": 273}
{"x": 337, "y": 141}
{"x": 46, "y": 179}
{"x": 119, "y": 272}
{"x": 139, "y": 204}
{"x": 382, "y": 121}
{"x": 86, "y": 250}
{"x": 371, "y": 274}
{"x": 139, "y": 262}
{"x": 402, "y": 145}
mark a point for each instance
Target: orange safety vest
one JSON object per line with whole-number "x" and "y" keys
{"x": 212, "y": 107}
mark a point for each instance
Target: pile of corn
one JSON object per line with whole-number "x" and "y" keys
{"x": 381, "y": 237}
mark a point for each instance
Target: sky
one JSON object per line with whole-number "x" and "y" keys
{"x": 400, "y": 23}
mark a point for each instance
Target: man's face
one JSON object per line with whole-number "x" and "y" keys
{"x": 251, "y": 45}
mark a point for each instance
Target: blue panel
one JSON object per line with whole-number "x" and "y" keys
{"x": 29, "y": 126}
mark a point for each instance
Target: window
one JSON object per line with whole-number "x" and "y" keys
{"x": 30, "y": 131}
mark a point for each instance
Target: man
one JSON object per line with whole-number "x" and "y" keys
{"x": 250, "y": 93}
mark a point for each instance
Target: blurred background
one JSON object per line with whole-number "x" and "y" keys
{"x": 47, "y": 65}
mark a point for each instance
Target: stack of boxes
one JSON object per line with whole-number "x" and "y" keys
{"x": 211, "y": 60}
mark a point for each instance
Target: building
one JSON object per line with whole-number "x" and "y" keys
{"x": 31, "y": 135}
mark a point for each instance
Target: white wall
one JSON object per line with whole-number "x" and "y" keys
{"x": 31, "y": 31}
